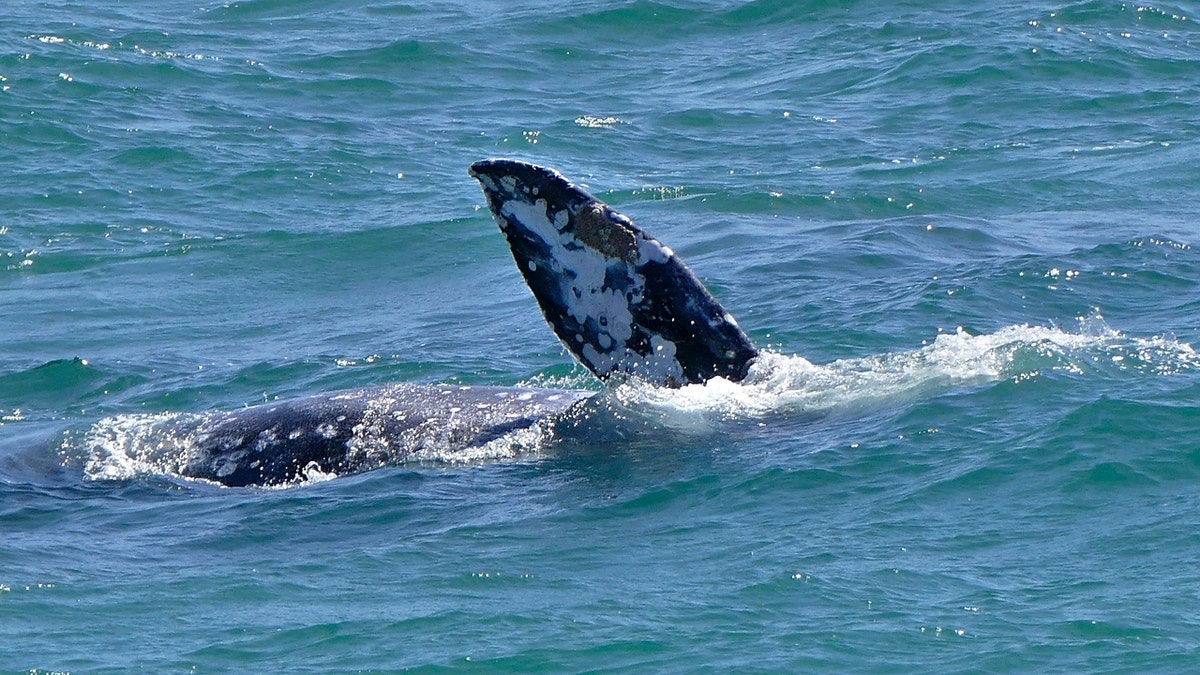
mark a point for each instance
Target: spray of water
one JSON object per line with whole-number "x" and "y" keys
{"x": 782, "y": 384}
{"x": 125, "y": 446}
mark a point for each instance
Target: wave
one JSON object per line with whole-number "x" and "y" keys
{"x": 778, "y": 386}
{"x": 790, "y": 385}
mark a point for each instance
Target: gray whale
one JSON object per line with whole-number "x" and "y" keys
{"x": 359, "y": 429}
{"x": 620, "y": 301}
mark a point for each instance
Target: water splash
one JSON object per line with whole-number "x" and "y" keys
{"x": 783, "y": 384}
{"x": 124, "y": 447}
{"x": 128, "y": 446}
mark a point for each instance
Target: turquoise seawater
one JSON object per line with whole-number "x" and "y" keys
{"x": 973, "y": 225}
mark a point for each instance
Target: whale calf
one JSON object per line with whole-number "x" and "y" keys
{"x": 620, "y": 301}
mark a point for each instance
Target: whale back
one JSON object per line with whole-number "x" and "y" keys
{"x": 346, "y": 432}
{"x": 620, "y": 300}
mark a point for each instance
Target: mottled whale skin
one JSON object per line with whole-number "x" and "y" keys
{"x": 360, "y": 429}
{"x": 621, "y": 301}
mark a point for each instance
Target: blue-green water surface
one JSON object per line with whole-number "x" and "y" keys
{"x": 964, "y": 233}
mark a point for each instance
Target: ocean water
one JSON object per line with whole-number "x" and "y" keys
{"x": 965, "y": 234}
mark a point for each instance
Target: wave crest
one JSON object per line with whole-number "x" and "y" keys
{"x": 780, "y": 383}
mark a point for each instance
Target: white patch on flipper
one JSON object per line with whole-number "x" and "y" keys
{"x": 661, "y": 365}
{"x": 584, "y": 269}
{"x": 610, "y": 309}
{"x": 487, "y": 182}
{"x": 601, "y": 363}
{"x": 652, "y": 250}
{"x": 663, "y": 348}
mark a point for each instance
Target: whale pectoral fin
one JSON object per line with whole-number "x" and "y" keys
{"x": 620, "y": 300}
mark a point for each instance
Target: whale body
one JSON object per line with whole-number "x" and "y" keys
{"x": 620, "y": 301}
{"x": 359, "y": 429}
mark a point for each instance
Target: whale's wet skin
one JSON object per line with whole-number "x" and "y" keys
{"x": 632, "y": 313}
{"x": 620, "y": 300}
{"x": 326, "y": 435}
